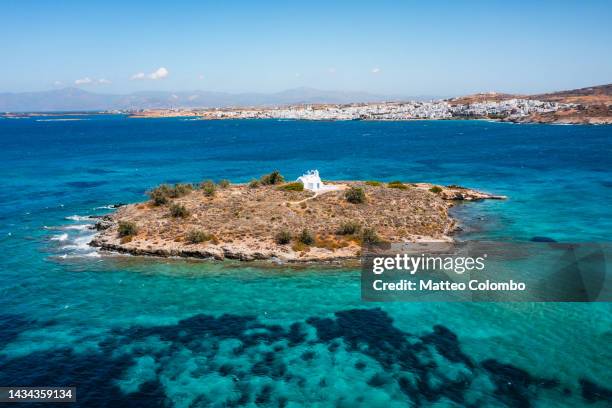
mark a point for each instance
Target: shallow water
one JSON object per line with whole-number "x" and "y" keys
{"x": 132, "y": 331}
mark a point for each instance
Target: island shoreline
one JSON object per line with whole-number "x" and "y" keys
{"x": 429, "y": 202}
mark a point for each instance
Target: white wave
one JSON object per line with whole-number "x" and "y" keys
{"x": 80, "y": 243}
{"x": 78, "y": 218}
{"x": 105, "y": 207}
{"x": 78, "y": 227}
{"x": 75, "y": 227}
{"x": 75, "y": 241}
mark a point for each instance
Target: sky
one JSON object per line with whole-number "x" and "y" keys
{"x": 407, "y": 48}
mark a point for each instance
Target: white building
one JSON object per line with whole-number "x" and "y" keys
{"x": 311, "y": 180}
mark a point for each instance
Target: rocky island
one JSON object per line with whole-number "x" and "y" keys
{"x": 271, "y": 219}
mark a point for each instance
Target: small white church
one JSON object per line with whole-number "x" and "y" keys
{"x": 311, "y": 181}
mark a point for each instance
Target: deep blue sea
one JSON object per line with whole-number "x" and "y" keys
{"x": 128, "y": 331}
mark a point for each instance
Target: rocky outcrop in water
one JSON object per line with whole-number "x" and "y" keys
{"x": 243, "y": 223}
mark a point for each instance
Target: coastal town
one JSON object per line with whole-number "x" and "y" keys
{"x": 510, "y": 109}
{"x": 592, "y": 106}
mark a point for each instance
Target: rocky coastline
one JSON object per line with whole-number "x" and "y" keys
{"x": 259, "y": 221}
{"x": 579, "y": 115}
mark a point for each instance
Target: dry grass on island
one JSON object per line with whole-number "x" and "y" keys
{"x": 269, "y": 218}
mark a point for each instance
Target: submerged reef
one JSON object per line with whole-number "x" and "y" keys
{"x": 355, "y": 357}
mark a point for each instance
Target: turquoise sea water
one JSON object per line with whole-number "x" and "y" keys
{"x": 128, "y": 331}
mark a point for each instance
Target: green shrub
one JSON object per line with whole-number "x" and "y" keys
{"x": 209, "y": 188}
{"x": 369, "y": 236}
{"x": 373, "y": 183}
{"x": 161, "y": 194}
{"x": 349, "y": 228}
{"x": 283, "y": 237}
{"x": 273, "y": 178}
{"x": 224, "y": 183}
{"x": 306, "y": 237}
{"x": 178, "y": 211}
{"x": 180, "y": 190}
{"x": 127, "y": 229}
{"x": 296, "y": 186}
{"x": 197, "y": 236}
{"x": 254, "y": 183}
{"x": 355, "y": 195}
{"x": 397, "y": 184}
{"x": 158, "y": 197}
{"x": 435, "y": 189}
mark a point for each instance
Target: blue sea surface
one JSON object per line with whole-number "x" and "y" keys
{"x": 130, "y": 331}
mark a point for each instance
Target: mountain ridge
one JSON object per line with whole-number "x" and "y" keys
{"x": 76, "y": 99}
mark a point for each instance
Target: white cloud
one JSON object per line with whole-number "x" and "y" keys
{"x": 160, "y": 73}
{"x": 138, "y": 76}
{"x": 331, "y": 70}
{"x": 104, "y": 81}
{"x": 200, "y": 76}
{"x": 297, "y": 75}
{"x": 375, "y": 70}
{"x": 58, "y": 83}
{"x": 83, "y": 81}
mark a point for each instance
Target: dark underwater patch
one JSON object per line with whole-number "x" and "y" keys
{"x": 308, "y": 355}
{"x": 607, "y": 184}
{"x": 264, "y": 395}
{"x": 378, "y": 380}
{"x": 12, "y": 325}
{"x": 514, "y": 385}
{"x": 94, "y": 376}
{"x": 270, "y": 366}
{"x": 542, "y": 239}
{"x": 593, "y": 392}
{"x": 413, "y": 363}
{"x": 447, "y": 344}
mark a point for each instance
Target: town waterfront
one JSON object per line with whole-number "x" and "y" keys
{"x": 129, "y": 331}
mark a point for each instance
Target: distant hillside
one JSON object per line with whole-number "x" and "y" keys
{"x": 75, "y": 99}
{"x": 483, "y": 97}
{"x": 593, "y": 95}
